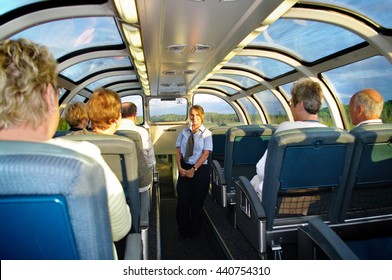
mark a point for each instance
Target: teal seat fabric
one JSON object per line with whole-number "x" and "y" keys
{"x": 369, "y": 186}
{"x": 53, "y": 204}
{"x": 219, "y": 142}
{"x": 305, "y": 177}
{"x": 245, "y": 145}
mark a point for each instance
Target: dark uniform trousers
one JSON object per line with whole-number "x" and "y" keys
{"x": 191, "y": 193}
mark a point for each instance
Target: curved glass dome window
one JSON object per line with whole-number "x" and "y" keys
{"x": 218, "y": 112}
{"x": 80, "y": 33}
{"x": 308, "y": 40}
{"x": 251, "y": 111}
{"x": 243, "y": 81}
{"x": 266, "y": 67}
{"x": 274, "y": 109}
{"x": 225, "y": 89}
{"x": 81, "y": 70}
{"x": 110, "y": 80}
{"x": 374, "y": 72}
{"x": 7, "y": 6}
{"x": 377, "y": 10}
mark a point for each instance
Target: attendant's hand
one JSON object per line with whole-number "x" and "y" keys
{"x": 183, "y": 172}
{"x": 190, "y": 172}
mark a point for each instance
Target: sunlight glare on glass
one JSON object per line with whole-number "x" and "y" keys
{"x": 377, "y": 10}
{"x": 81, "y": 70}
{"x": 306, "y": 39}
{"x": 69, "y": 35}
{"x": 267, "y": 67}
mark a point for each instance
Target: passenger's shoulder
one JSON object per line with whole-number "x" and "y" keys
{"x": 82, "y": 147}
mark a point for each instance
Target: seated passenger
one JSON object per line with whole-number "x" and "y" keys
{"x": 104, "y": 112}
{"x": 366, "y": 107}
{"x": 128, "y": 122}
{"x": 306, "y": 101}
{"x": 76, "y": 116}
{"x": 29, "y": 111}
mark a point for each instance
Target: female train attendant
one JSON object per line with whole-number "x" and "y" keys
{"x": 194, "y": 144}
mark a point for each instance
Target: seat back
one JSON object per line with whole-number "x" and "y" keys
{"x": 305, "y": 174}
{"x": 145, "y": 174}
{"x": 53, "y": 204}
{"x": 120, "y": 154}
{"x": 369, "y": 191}
{"x": 219, "y": 142}
{"x": 245, "y": 145}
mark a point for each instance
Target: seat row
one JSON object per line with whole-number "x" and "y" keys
{"x": 343, "y": 178}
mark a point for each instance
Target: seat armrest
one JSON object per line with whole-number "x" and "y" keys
{"x": 133, "y": 249}
{"x": 320, "y": 234}
{"x": 144, "y": 207}
{"x": 218, "y": 170}
{"x": 246, "y": 187}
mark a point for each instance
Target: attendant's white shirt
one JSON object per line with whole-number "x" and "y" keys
{"x": 148, "y": 149}
{"x": 119, "y": 213}
{"x": 258, "y": 180}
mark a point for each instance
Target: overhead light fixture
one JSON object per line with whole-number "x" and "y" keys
{"x": 132, "y": 35}
{"x": 127, "y": 10}
{"x": 129, "y": 17}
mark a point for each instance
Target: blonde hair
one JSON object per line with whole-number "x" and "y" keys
{"x": 26, "y": 69}
{"x": 76, "y": 114}
{"x": 104, "y": 107}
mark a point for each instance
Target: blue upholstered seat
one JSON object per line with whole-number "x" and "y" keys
{"x": 245, "y": 145}
{"x": 53, "y": 204}
{"x": 305, "y": 175}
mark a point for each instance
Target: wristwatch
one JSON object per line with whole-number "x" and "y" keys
{"x": 195, "y": 168}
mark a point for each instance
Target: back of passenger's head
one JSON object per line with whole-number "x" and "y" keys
{"x": 26, "y": 69}
{"x": 310, "y": 93}
{"x": 371, "y": 101}
{"x": 104, "y": 107}
{"x": 76, "y": 115}
{"x": 199, "y": 110}
{"x": 128, "y": 109}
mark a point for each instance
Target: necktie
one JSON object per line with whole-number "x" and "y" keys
{"x": 189, "y": 147}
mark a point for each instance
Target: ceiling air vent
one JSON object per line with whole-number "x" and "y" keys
{"x": 189, "y": 72}
{"x": 169, "y": 72}
{"x": 176, "y": 48}
{"x": 200, "y": 48}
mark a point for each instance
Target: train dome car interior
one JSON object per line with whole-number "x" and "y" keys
{"x": 238, "y": 59}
